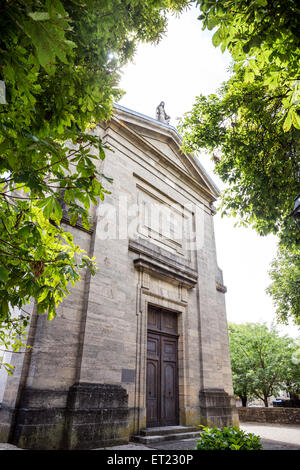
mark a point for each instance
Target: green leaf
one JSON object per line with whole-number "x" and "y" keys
{"x": 287, "y": 122}
{"x": 4, "y": 273}
{"x": 212, "y": 22}
{"x": 296, "y": 120}
{"x": 216, "y": 39}
{"x": 74, "y": 219}
{"x": 48, "y": 207}
{"x": 63, "y": 256}
{"x": 42, "y": 296}
{"x": 249, "y": 76}
{"x": 57, "y": 210}
{"x": 51, "y": 314}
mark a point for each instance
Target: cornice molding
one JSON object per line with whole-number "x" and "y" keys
{"x": 151, "y": 261}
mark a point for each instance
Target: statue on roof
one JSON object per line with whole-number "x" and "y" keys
{"x": 161, "y": 114}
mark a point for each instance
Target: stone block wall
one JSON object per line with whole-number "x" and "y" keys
{"x": 217, "y": 408}
{"x": 270, "y": 415}
{"x": 95, "y": 415}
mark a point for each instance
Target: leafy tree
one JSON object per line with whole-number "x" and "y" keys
{"x": 285, "y": 287}
{"x": 257, "y": 159}
{"x": 261, "y": 360}
{"x": 292, "y": 383}
{"x": 252, "y": 124}
{"x": 59, "y": 63}
{"x": 263, "y": 39}
{"x": 241, "y": 365}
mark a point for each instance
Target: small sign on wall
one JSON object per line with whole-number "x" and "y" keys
{"x": 128, "y": 375}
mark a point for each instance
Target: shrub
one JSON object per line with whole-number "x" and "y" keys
{"x": 230, "y": 438}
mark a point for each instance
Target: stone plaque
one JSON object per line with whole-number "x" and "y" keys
{"x": 128, "y": 375}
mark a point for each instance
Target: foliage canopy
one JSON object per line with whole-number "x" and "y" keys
{"x": 263, "y": 39}
{"x": 261, "y": 362}
{"x": 285, "y": 286}
{"x": 242, "y": 127}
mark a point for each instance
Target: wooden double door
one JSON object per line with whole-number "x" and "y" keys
{"x": 162, "y": 368}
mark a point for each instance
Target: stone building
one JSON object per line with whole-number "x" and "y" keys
{"x": 144, "y": 342}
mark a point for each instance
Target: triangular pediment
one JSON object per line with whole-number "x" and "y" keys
{"x": 165, "y": 140}
{"x": 167, "y": 150}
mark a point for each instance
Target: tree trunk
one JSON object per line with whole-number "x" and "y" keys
{"x": 244, "y": 401}
{"x": 266, "y": 402}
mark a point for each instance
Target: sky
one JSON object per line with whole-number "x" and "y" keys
{"x": 183, "y": 65}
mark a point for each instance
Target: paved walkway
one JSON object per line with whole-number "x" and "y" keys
{"x": 273, "y": 437}
{"x": 5, "y": 446}
{"x": 286, "y": 434}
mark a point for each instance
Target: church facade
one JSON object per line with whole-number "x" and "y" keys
{"x": 144, "y": 342}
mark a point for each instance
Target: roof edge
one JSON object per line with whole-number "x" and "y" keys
{"x": 173, "y": 129}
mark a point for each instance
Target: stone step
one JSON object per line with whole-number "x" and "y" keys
{"x": 147, "y": 440}
{"x": 161, "y": 430}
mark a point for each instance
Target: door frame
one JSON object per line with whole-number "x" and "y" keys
{"x": 179, "y": 305}
{"x": 160, "y": 374}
